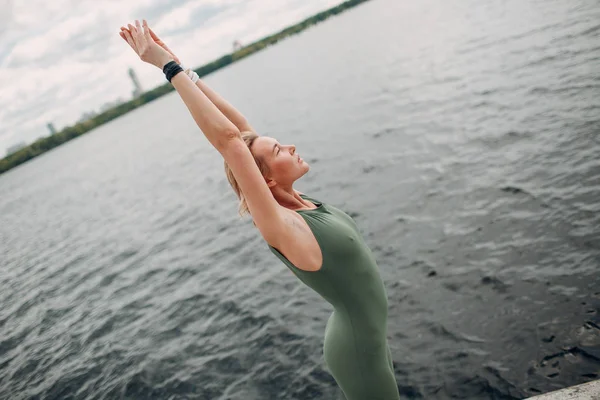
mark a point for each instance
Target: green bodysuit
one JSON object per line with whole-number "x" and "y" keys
{"x": 355, "y": 346}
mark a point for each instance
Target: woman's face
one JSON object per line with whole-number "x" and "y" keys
{"x": 285, "y": 165}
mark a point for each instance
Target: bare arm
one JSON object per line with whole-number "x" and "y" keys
{"x": 267, "y": 214}
{"x": 217, "y": 128}
{"x": 225, "y": 107}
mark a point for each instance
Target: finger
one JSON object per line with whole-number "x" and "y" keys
{"x": 140, "y": 33}
{"x": 124, "y": 38}
{"x": 147, "y": 31}
{"x": 132, "y": 34}
{"x": 130, "y": 40}
{"x": 153, "y": 35}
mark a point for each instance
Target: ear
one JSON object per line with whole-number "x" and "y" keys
{"x": 270, "y": 182}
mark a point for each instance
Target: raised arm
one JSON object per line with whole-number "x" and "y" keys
{"x": 266, "y": 212}
{"x": 269, "y": 217}
{"x": 223, "y": 105}
{"x": 217, "y": 128}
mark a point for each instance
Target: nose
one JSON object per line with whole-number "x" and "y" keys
{"x": 293, "y": 148}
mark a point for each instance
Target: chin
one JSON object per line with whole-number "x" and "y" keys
{"x": 304, "y": 172}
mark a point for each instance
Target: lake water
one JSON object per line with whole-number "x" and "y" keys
{"x": 464, "y": 138}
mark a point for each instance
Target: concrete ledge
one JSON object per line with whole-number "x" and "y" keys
{"x": 585, "y": 391}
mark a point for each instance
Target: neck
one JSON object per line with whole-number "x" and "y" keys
{"x": 288, "y": 197}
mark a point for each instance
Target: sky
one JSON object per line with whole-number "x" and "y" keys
{"x": 62, "y": 58}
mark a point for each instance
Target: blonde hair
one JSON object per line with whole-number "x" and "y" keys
{"x": 249, "y": 138}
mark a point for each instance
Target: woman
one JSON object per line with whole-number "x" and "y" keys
{"x": 319, "y": 243}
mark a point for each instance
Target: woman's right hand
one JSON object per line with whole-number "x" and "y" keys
{"x": 144, "y": 46}
{"x": 163, "y": 45}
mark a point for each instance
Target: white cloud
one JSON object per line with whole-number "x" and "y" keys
{"x": 34, "y": 48}
{"x": 61, "y": 58}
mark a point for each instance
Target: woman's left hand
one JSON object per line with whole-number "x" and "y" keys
{"x": 145, "y": 47}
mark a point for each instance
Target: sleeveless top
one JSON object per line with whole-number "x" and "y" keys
{"x": 349, "y": 277}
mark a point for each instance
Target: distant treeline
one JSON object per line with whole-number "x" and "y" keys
{"x": 46, "y": 143}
